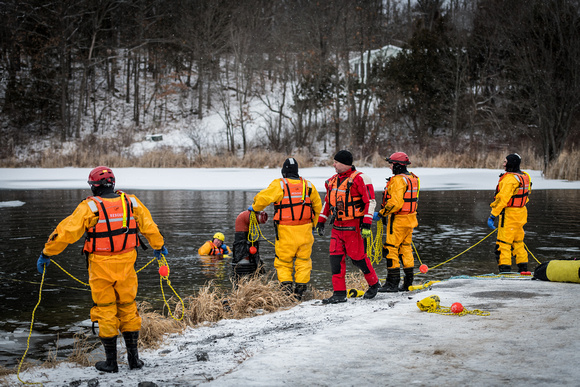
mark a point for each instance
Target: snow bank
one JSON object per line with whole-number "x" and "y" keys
{"x": 528, "y": 339}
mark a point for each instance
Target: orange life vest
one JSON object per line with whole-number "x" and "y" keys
{"x": 116, "y": 230}
{"x": 519, "y": 199}
{"x": 216, "y": 250}
{"x": 341, "y": 200}
{"x": 410, "y": 197}
{"x": 295, "y": 207}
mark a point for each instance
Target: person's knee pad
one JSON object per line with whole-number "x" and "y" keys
{"x": 335, "y": 261}
{"x": 362, "y": 265}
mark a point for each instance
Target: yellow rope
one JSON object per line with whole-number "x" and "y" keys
{"x": 30, "y": 332}
{"x": 254, "y": 231}
{"x": 463, "y": 252}
{"x": 72, "y": 276}
{"x": 163, "y": 262}
{"x": 416, "y": 253}
{"x": 444, "y": 310}
{"x": 147, "y": 264}
{"x": 529, "y": 251}
{"x": 377, "y": 245}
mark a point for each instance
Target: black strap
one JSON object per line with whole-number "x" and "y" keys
{"x": 345, "y": 228}
{"x": 110, "y": 234}
{"x": 108, "y": 227}
{"x": 289, "y": 198}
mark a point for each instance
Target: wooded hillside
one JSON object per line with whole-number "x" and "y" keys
{"x": 472, "y": 75}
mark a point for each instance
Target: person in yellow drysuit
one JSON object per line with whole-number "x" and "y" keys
{"x": 112, "y": 221}
{"x": 399, "y": 213}
{"x": 296, "y": 208}
{"x": 216, "y": 246}
{"x": 511, "y": 197}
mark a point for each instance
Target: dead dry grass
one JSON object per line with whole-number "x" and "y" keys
{"x": 92, "y": 151}
{"x": 566, "y": 167}
{"x": 82, "y": 350}
{"x": 252, "y": 296}
{"x": 488, "y": 159}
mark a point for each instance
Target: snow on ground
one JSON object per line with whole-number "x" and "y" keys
{"x": 529, "y": 338}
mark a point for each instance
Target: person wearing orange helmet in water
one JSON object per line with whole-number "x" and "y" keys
{"x": 216, "y": 246}
{"x": 399, "y": 214}
{"x": 111, "y": 220}
{"x": 509, "y": 205}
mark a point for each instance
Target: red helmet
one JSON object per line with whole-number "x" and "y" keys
{"x": 101, "y": 176}
{"x": 398, "y": 158}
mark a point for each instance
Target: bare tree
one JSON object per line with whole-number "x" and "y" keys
{"x": 540, "y": 41}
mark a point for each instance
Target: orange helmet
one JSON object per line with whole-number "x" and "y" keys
{"x": 398, "y": 158}
{"x": 101, "y": 176}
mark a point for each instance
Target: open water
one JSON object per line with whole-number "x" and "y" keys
{"x": 449, "y": 223}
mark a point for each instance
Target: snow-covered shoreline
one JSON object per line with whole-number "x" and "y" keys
{"x": 527, "y": 339}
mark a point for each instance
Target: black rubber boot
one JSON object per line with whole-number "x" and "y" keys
{"x": 372, "y": 291}
{"x": 299, "y": 290}
{"x": 504, "y": 268}
{"x": 392, "y": 283}
{"x": 109, "y": 365}
{"x": 286, "y": 287}
{"x": 408, "y": 280}
{"x": 339, "y": 296}
{"x": 131, "y": 341}
{"x": 522, "y": 267}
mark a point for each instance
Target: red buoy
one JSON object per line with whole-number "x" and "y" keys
{"x": 423, "y": 268}
{"x": 163, "y": 271}
{"x": 456, "y": 308}
{"x": 253, "y": 250}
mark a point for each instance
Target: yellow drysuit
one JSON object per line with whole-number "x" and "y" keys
{"x": 112, "y": 277}
{"x": 511, "y": 221}
{"x": 399, "y": 226}
{"x": 294, "y": 242}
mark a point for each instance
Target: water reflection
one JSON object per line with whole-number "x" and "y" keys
{"x": 449, "y": 223}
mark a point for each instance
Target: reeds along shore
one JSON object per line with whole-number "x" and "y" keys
{"x": 252, "y": 296}
{"x": 566, "y": 167}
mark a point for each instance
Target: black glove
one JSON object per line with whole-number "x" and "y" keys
{"x": 320, "y": 229}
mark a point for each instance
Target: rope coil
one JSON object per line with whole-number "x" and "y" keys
{"x": 254, "y": 232}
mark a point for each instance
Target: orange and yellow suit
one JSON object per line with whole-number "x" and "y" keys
{"x": 112, "y": 276}
{"x": 294, "y": 241}
{"x": 400, "y": 210}
{"x": 208, "y": 248}
{"x": 510, "y": 205}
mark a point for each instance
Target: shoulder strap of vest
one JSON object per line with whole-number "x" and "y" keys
{"x": 92, "y": 205}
